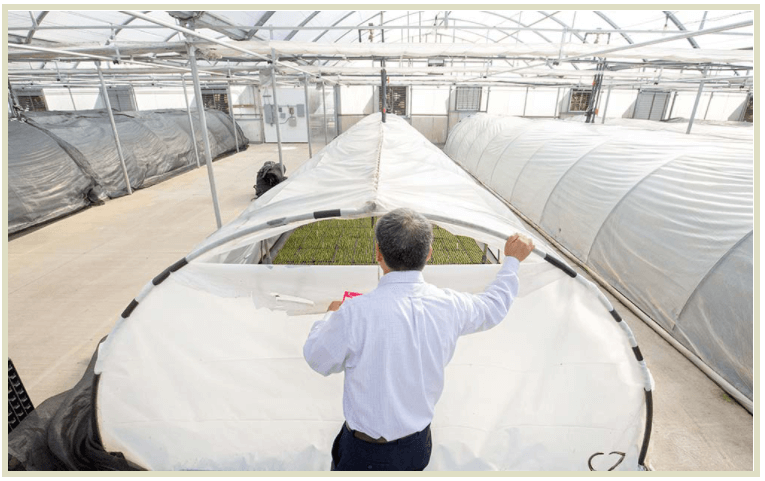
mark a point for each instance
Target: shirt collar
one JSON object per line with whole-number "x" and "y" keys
{"x": 409, "y": 277}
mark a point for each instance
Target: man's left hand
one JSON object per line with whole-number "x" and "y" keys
{"x": 334, "y": 305}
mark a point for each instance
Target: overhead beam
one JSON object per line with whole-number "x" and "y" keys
{"x": 261, "y": 21}
{"x": 187, "y": 32}
{"x": 614, "y": 25}
{"x": 67, "y": 53}
{"x": 671, "y": 38}
{"x": 680, "y": 26}
{"x": 125, "y": 23}
{"x": 334, "y": 25}
{"x": 302, "y": 24}
{"x": 126, "y": 49}
{"x": 525, "y": 27}
{"x": 36, "y": 22}
{"x": 204, "y": 19}
{"x": 376, "y": 27}
{"x": 563, "y": 24}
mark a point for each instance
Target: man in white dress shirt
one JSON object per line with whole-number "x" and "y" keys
{"x": 394, "y": 342}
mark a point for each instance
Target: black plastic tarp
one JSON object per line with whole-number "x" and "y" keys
{"x": 61, "y": 434}
{"x": 43, "y": 180}
{"x": 56, "y": 158}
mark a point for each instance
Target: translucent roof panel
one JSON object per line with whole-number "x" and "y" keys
{"x": 474, "y": 26}
{"x": 534, "y": 39}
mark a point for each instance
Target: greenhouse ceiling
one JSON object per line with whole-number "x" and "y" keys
{"x": 631, "y": 48}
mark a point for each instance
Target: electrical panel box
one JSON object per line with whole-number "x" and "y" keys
{"x": 290, "y": 115}
{"x": 268, "y": 111}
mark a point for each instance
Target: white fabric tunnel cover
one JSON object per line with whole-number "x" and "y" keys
{"x": 207, "y": 372}
{"x": 665, "y": 218}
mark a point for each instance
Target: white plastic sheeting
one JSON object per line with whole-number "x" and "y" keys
{"x": 207, "y": 371}
{"x": 665, "y": 218}
{"x": 550, "y": 50}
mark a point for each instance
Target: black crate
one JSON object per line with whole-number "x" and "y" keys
{"x": 19, "y": 404}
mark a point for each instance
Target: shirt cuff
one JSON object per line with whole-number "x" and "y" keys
{"x": 511, "y": 263}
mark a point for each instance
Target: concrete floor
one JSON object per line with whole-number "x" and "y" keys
{"x": 69, "y": 281}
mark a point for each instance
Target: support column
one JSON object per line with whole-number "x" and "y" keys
{"x": 259, "y": 103}
{"x": 13, "y": 102}
{"x": 231, "y": 111}
{"x": 308, "y": 118}
{"x": 711, "y": 96}
{"x": 203, "y": 121}
{"x": 74, "y": 106}
{"x": 337, "y": 107}
{"x": 11, "y": 107}
{"x": 605, "y": 107}
{"x": 114, "y": 126}
{"x": 597, "y": 84}
{"x": 384, "y": 93}
{"x": 276, "y": 109}
{"x": 324, "y": 106}
{"x": 525, "y": 99}
{"x": 672, "y": 107}
{"x": 191, "y": 120}
{"x": 696, "y": 103}
{"x": 448, "y": 113}
{"x": 557, "y": 100}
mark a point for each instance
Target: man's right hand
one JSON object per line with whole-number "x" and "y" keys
{"x": 518, "y": 246}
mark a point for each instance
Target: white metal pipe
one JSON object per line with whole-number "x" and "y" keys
{"x": 448, "y": 111}
{"x": 259, "y": 103}
{"x": 308, "y": 118}
{"x": 74, "y": 106}
{"x": 276, "y": 111}
{"x": 525, "y": 99}
{"x": 696, "y": 103}
{"x": 557, "y": 100}
{"x": 284, "y": 221}
{"x": 231, "y": 111}
{"x": 191, "y": 121}
{"x": 205, "y": 139}
{"x": 600, "y": 53}
{"x": 205, "y": 37}
{"x": 711, "y": 96}
{"x": 336, "y": 107}
{"x": 276, "y": 28}
{"x": 686, "y": 34}
{"x": 605, "y": 107}
{"x": 672, "y": 107}
{"x": 11, "y": 108}
{"x": 101, "y": 57}
{"x": 105, "y": 94}
{"x": 324, "y": 106}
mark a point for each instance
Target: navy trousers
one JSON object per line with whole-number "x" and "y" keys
{"x": 411, "y": 453}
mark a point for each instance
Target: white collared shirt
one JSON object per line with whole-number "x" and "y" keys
{"x": 394, "y": 343}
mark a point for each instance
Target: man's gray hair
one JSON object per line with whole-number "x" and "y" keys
{"x": 404, "y": 238}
